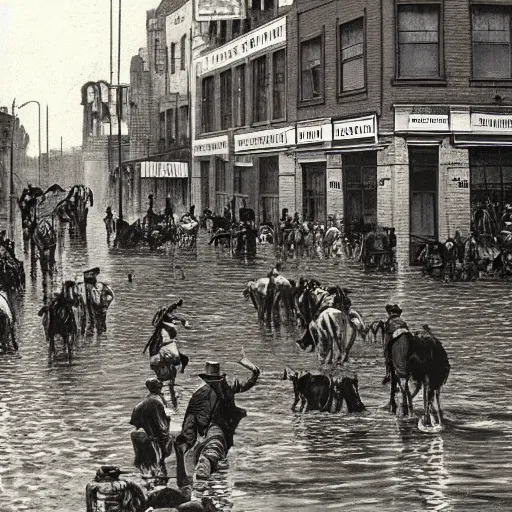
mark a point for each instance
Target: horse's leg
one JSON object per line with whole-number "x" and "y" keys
{"x": 51, "y": 347}
{"x": 439, "y": 410}
{"x": 392, "y": 401}
{"x": 426, "y": 416}
{"x": 172, "y": 392}
{"x": 353, "y": 337}
{"x": 409, "y": 398}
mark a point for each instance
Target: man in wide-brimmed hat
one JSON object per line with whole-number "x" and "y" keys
{"x": 213, "y": 415}
{"x": 155, "y": 444}
{"x": 394, "y": 327}
{"x": 98, "y": 297}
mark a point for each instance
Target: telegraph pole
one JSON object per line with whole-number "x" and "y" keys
{"x": 11, "y": 184}
{"x": 119, "y": 113}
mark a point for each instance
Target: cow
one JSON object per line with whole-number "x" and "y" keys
{"x": 326, "y": 333}
{"x": 318, "y": 392}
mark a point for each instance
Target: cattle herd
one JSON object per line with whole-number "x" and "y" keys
{"x": 330, "y": 327}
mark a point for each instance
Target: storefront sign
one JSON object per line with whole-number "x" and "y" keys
{"x": 211, "y": 10}
{"x": 211, "y": 146}
{"x": 428, "y": 123}
{"x": 255, "y": 41}
{"x": 266, "y": 139}
{"x": 314, "y": 134}
{"x": 362, "y": 128}
{"x": 496, "y": 123}
{"x": 164, "y": 170}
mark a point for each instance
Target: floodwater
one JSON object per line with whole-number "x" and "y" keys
{"x": 59, "y": 423}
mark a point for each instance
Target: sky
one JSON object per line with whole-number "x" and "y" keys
{"x": 50, "y": 48}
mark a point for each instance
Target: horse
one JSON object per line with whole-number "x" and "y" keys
{"x": 331, "y": 242}
{"x": 318, "y": 392}
{"x": 265, "y": 304}
{"x": 59, "y": 319}
{"x": 420, "y": 357}
{"x": 7, "y": 325}
{"x": 292, "y": 240}
{"x": 76, "y": 207}
{"x": 45, "y": 239}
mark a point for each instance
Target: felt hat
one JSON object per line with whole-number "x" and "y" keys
{"x": 393, "y": 309}
{"x": 91, "y": 274}
{"x": 154, "y": 385}
{"x": 212, "y": 372}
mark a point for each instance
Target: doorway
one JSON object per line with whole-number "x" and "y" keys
{"x": 205, "y": 184}
{"x": 314, "y": 177}
{"x": 423, "y": 183}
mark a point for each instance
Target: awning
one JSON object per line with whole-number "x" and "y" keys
{"x": 164, "y": 170}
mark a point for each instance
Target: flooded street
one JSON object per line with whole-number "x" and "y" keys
{"x": 58, "y": 424}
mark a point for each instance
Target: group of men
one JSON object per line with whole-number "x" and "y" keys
{"x": 210, "y": 420}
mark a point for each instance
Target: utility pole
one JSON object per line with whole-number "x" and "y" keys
{"x": 119, "y": 113}
{"x": 11, "y": 184}
{"x": 47, "y": 141}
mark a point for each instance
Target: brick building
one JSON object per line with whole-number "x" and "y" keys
{"x": 401, "y": 114}
{"x": 242, "y": 129}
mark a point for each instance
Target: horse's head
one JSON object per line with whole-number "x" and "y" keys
{"x": 347, "y": 388}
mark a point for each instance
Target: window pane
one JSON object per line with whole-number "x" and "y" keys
{"x": 279, "y": 73}
{"x": 419, "y": 60}
{"x": 353, "y": 75}
{"x": 312, "y": 69}
{"x": 208, "y": 104}
{"x": 225, "y": 99}
{"x": 491, "y": 61}
{"x": 418, "y": 37}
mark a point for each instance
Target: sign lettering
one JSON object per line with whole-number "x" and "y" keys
{"x": 491, "y": 123}
{"x": 259, "y": 39}
{"x": 212, "y": 146}
{"x": 280, "y": 137}
{"x": 361, "y": 128}
{"x": 428, "y": 122}
{"x": 314, "y": 134}
{"x": 164, "y": 170}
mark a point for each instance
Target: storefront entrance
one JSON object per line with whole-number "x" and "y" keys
{"x": 221, "y": 186}
{"x": 360, "y": 191}
{"x": 314, "y": 177}
{"x": 269, "y": 190}
{"x": 423, "y": 179}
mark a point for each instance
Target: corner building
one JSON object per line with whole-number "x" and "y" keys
{"x": 242, "y": 149}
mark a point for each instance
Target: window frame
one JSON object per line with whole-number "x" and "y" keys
{"x": 340, "y": 25}
{"x": 226, "y": 93}
{"x": 268, "y": 63}
{"x": 213, "y": 128}
{"x": 173, "y": 58}
{"x": 183, "y": 52}
{"x": 271, "y": 101}
{"x": 486, "y": 80}
{"x": 310, "y": 37}
{"x": 441, "y": 78}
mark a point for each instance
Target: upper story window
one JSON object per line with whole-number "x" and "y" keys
{"x": 225, "y": 99}
{"x": 236, "y": 28}
{"x": 259, "y": 85}
{"x": 279, "y": 84}
{"x": 239, "y": 95}
{"x": 183, "y": 58}
{"x": 312, "y": 69}
{"x": 352, "y": 56}
{"x": 492, "y": 54}
{"x": 419, "y": 36}
{"x": 173, "y": 58}
{"x": 208, "y": 104}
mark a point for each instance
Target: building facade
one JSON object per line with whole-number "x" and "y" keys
{"x": 401, "y": 114}
{"x": 242, "y": 131}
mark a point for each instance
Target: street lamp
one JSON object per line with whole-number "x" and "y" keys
{"x": 39, "y": 160}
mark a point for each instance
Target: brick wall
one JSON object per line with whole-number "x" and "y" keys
{"x": 306, "y": 20}
{"x": 454, "y": 205}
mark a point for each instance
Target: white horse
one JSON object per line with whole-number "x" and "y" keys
{"x": 7, "y": 325}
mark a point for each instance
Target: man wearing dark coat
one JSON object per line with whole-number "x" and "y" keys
{"x": 395, "y": 326}
{"x": 213, "y": 415}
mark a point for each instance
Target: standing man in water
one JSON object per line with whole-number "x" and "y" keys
{"x": 98, "y": 298}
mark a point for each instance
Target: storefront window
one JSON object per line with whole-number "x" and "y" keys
{"x": 314, "y": 192}
{"x": 269, "y": 190}
{"x": 221, "y": 192}
{"x": 360, "y": 191}
{"x": 205, "y": 184}
{"x": 491, "y": 178}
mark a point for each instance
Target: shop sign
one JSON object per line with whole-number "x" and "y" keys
{"x": 314, "y": 134}
{"x": 164, "y": 170}
{"x": 266, "y": 139}
{"x": 361, "y": 128}
{"x": 269, "y": 35}
{"x": 428, "y": 123}
{"x": 211, "y": 146}
{"x": 496, "y": 123}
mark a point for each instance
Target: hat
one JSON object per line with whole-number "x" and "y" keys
{"x": 92, "y": 273}
{"x": 212, "y": 374}
{"x": 393, "y": 309}
{"x": 154, "y": 385}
